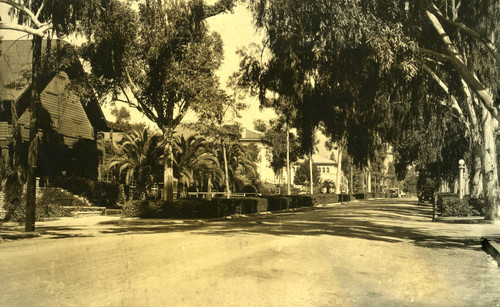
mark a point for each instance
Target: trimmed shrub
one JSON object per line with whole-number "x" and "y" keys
{"x": 449, "y": 204}
{"x": 145, "y": 209}
{"x": 321, "y": 199}
{"x": 195, "y": 208}
{"x": 345, "y": 198}
{"x": 277, "y": 202}
{"x": 254, "y": 205}
{"x": 478, "y": 205}
{"x": 191, "y": 208}
{"x": 297, "y": 201}
{"x": 359, "y": 196}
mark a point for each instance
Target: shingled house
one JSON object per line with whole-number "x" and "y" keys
{"x": 69, "y": 120}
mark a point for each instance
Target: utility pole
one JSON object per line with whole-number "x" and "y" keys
{"x": 288, "y": 174}
{"x": 311, "y": 173}
{"x": 36, "y": 68}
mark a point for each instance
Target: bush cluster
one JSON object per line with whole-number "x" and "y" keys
{"x": 478, "y": 205}
{"x": 449, "y": 204}
{"x": 47, "y": 205}
{"x": 100, "y": 193}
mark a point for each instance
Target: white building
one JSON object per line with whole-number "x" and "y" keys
{"x": 263, "y": 164}
{"x": 327, "y": 168}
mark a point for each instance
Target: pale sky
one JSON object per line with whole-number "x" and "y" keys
{"x": 236, "y": 30}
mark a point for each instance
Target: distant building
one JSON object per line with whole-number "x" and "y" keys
{"x": 263, "y": 164}
{"x": 327, "y": 168}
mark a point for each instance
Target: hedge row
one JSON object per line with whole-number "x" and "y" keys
{"x": 220, "y": 207}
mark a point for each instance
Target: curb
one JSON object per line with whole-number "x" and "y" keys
{"x": 492, "y": 247}
{"x": 463, "y": 220}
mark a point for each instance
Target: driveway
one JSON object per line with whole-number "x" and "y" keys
{"x": 374, "y": 253}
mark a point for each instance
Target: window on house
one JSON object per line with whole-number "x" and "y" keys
{"x": 327, "y": 169}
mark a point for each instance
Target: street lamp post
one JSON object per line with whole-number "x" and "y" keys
{"x": 461, "y": 170}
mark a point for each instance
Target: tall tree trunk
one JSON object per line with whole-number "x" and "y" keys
{"x": 339, "y": 170}
{"x": 168, "y": 170}
{"x": 311, "y": 179}
{"x": 288, "y": 173}
{"x": 475, "y": 180}
{"x": 352, "y": 178}
{"x": 226, "y": 170}
{"x": 368, "y": 178}
{"x": 489, "y": 166}
{"x": 476, "y": 183}
{"x": 33, "y": 139}
{"x": 280, "y": 180}
{"x": 209, "y": 187}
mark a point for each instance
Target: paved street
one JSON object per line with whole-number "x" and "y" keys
{"x": 374, "y": 253}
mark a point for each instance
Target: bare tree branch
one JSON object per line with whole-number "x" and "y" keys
{"x": 25, "y": 10}
{"x": 217, "y": 8}
{"x": 141, "y": 106}
{"x": 434, "y": 54}
{"x": 473, "y": 33}
{"x": 42, "y": 32}
{"x": 455, "y": 106}
{"x": 456, "y": 60}
{"x": 40, "y": 10}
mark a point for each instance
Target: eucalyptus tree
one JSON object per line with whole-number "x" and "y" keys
{"x": 459, "y": 46}
{"x": 360, "y": 67}
{"x": 161, "y": 59}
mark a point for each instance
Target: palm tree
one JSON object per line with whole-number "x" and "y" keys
{"x": 240, "y": 165}
{"x": 209, "y": 170}
{"x": 193, "y": 161}
{"x": 138, "y": 158}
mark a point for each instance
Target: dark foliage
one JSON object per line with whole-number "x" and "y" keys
{"x": 449, "y": 204}
{"x": 98, "y": 192}
{"x": 84, "y": 159}
{"x": 49, "y": 205}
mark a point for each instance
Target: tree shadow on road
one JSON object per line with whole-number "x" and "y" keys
{"x": 379, "y": 221}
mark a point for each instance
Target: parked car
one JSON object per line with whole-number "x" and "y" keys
{"x": 426, "y": 194}
{"x": 393, "y": 192}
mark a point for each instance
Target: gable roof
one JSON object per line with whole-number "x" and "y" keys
{"x": 15, "y": 75}
{"x": 320, "y": 160}
{"x": 249, "y": 135}
{"x": 317, "y": 159}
